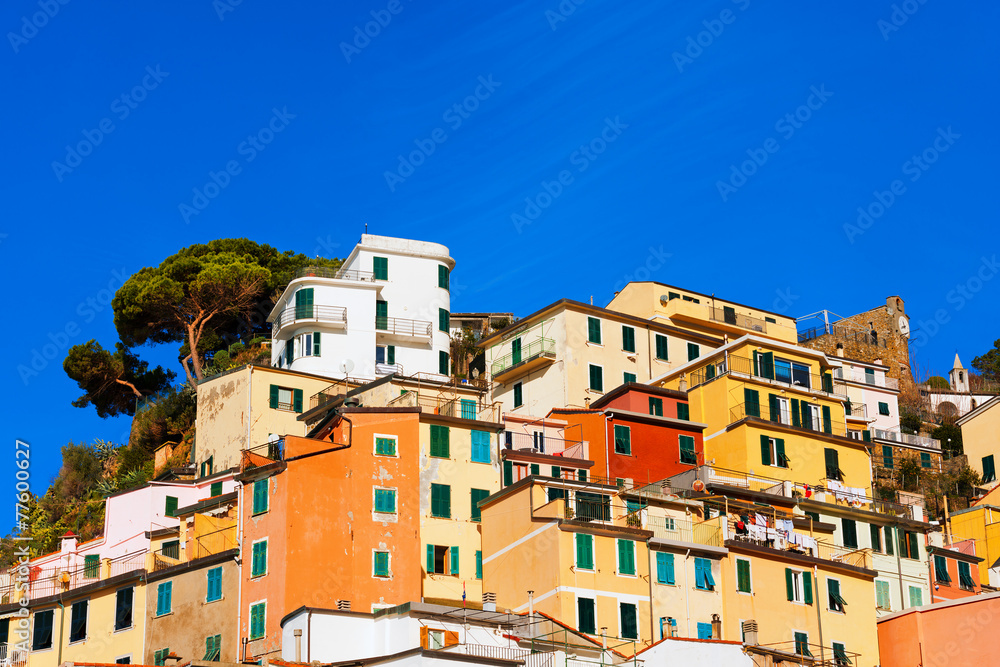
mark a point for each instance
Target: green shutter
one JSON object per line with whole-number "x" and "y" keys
{"x": 440, "y": 441}
{"x": 533, "y": 469}
{"x": 683, "y": 411}
{"x": 596, "y": 378}
{"x": 765, "y": 450}
{"x": 454, "y": 561}
{"x": 925, "y": 460}
{"x": 443, "y": 319}
{"x": 789, "y": 584}
{"x": 887, "y": 456}
{"x": 796, "y": 418}
{"x": 626, "y": 556}
{"x": 170, "y": 506}
{"x": 914, "y": 547}
{"x": 594, "y": 330}
{"x": 215, "y": 489}
{"x": 779, "y": 452}
{"x": 743, "y": 576}
{"x": 767, "y": 365}
{"x": 430, "y": 558}
{"x": 316, "y": 343}
{"x": 628, "y": 377}
{"x": 827, "y": 381}
{"x": 585, "y": 551}
{"x": 866, "y": 436}
{"x": 827, "y": 423}
{"x": 478, "y": 495}
{"x": 260, "y": 496}
{"x": 508, "y": 473}
{"x": 850, "y": 529}
{"x": 807, "y": 587}
{"x": 290, "y": 351}
{"x": 876, "y": 535}
{"x": 774, "y": 408}
{"x": 381, "y": 315}
{"x": 274, "y": 396}
{"x": 687, "y": 451}
{"x": 390, "y": 355}
{"x": 662, "y": 349}
{"x": 989, "y": 469}
{"x": 585, "y": 612}
{"x": 479, "y": 565}
{"x": 628, "y": 339}
{"x": 694, "y": 350}
{"x": 623, "y": 440}
{"x": 443, "y": 277}
{"x": 889, "y": 540}
{"x": 832, "y": 463}
{"x": 380, "y": 266}
{"x": 443, "y": 366}
{"x": 91, "y": 566}
{"x": 297, "y": 400}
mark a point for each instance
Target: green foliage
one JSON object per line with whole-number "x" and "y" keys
{"x": 937, "y": 382}
{"x": 988, "y": 364}
{"x": 910, "y": 422}
{"x": 112, "y": 381}
{"x": 950, "y": 436}
{"x": 169, "y": 419}
{"x": 910, "y": 472}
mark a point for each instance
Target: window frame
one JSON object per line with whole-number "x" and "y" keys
{"x": 208, "y": 584}
{"x": 628, "y": 340}
{"x": 749, "y": 567}
{"x": 439, "y": 489}
{"x": 657, "y": 338}
{"x": 385, "y": 437}
{"x": 518, "y": 394}
{"x": 835, "y": 597}
{"x": 588, "y": 538}
{"x": 626, "y": 434}
{"x": 631, "y": 551}
{"x": 388, "y": 564}
{"x": 681, "y": 450}
{"x": 263, "y": 621}
{"x": 263, "y": 483}
{"x": 79, "y": 604}
{"x": 709, "y": 586}
{"x": 475, "y": 457}
{"x": 590, "y": 331}
{"x": 693, "y": 349}
{"x": 672, "y": 579}
{"x": 254, "y": 574}
{"x": 655, "y": 406}
{"x": 118, "y": 596}
{"x": 590, "y": 378}
{"x": 386, "y": 492}
{"x": 164, "y": 590}
{"x": 635, "y": 619}
{"x": 593, "y": 611}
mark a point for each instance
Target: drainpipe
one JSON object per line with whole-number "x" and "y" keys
{"x": 239, "y": 564}
{"x": 652, "y": 623}
{"x": 62, "y": 620}
{"x": 687, "y": 597}
{"x": 899, "y": 567}
{"x": 819, "y": 616}
{"x": 531, "y": 613}
{"x": 309, "y": 633}
{"x": 607, "y": 447}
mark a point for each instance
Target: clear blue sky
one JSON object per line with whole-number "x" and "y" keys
{"x": 664, "y": 119}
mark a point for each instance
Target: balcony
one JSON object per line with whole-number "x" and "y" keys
{"x": 539, "y": 352}
{"x": 731, "y": 317}
{"x": 856, "y": 410}
{"x": 815, "y": 423}
{"x": 906, "y": 438}
{"x": 775, "y": 374}
{"x": 11, "y": 656}
{"x": 43, "y": 583}
{"x": 402, "y": 328}
{"x": 262, "y": 455}
{"x": 787, "y": 653}
{"x": 542, "y": 444}
{"x": 336, "y": 274}
{"x": 332, "y": 316}
{"x": 448, "y": 406}
{"x": 865, "y": 378}
{"x": 678, "y": 530}
{"x": 833, "y": 553}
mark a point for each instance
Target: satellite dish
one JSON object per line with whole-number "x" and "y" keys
{"x": 347, "y": 365}
{"x": 663, "y": 299}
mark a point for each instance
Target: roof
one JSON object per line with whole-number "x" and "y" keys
{"x": 979, "y": 409}
{"x": 206, "y": 504}
{"x": 638, "y": 387}
{"x": 958, "y": 364}
{"x": 707, "y": 296}
{"x": 972, "y": 599}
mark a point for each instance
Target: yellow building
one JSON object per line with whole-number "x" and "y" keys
{"x": 772, "y": 409}
{"x": 981, "y": 523}
{"x": 981, "y": 439}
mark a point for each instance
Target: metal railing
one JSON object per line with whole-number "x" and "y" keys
{"x": 680, "y": 530}
{"x": 449, "y": 406}
{"x": 215, "y": 542}
{"x": 333, "y": 314}
{"x": 11, "y": 656}
{"x": 262, "y": 455}
{"x": 338, "y": 274}
{"x": 865, "y": 378}
{"x": 402, "y": 327}
{"x": 737, "y": 366}
{"x": 43, "y": 583}
{"x": 732, "y": 317}
{"x": 539, "y": 442}
{"x": 844, "y": 333}
{"x": 858, "y": 410}
{"x": 785, "y": 653}
{"x": 896, "y": 436}
{"x": 539, "y": 347}
{"x": 588, "y": 510}
{"x": 816, "y": 425}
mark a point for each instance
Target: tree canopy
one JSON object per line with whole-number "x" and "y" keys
{"x": 112, "y": 381}
{"x": 988, "y": 364}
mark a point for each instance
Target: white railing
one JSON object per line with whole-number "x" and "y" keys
{"x": 896, "y": 436}
{"x": 876, "y": 380}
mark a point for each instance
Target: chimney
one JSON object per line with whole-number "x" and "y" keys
{"x": 489, "y": 601}
{"x": 298, "y": 644}
{"x": 68, "y": 543}
{"x": 586, "y": 402}
{"x": 716, "y": 627}
{"x": 840, "y": 350}
{"x": 683, "y": 384}
{"x": 750, "y": 633}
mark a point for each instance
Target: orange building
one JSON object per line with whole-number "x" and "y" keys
{"x": 955, "y": 571}
{"x": 954, "y": 633}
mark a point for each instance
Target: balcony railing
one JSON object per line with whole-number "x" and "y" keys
{"x": 538, "y": 442}
{"x": 53, "y": 580}
{"x": 732, "y": 317}
{"x": 540, "y": 347}
{"x": 262, "y": 455}
{"x": 844, "y": 333}
{"x": 857, "y": 410}
{"x": 744, "y": 366}
{"x": 896, "y": 436}
{"x": 813, "y": 423}
{"x": 398, "y": 326}
{"x": 335, "y": 315}
{"x": 666, "y": 528}
{"x": 783, "y": 654}
{"x": 449, "y": 406}
{"x": 339, "y": 274}
{"x": 215, "y": 542}
{"x": 866, "y": 378}
{"x": 11, "y": 656}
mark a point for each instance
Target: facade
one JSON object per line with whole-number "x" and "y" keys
{"x": 981, "y": 439}
{"x": 569, "y": 354}
{"x": 955, "y": 571}
{"x": 959, "y": 399}
{"x": 980, "y": 524}
{"x": 385, "y": 310}
{"x": 872, "y": 396}
{"x": 945, "y": 634}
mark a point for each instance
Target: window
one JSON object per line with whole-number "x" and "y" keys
{"x": 941, "y": 570}
{"x": 887, "y": 461}
{"x": 443, "y": 319}
{"x": 126, "y": 660}
{"x": 908, "y": 545}
{"x": 213, "y": 647}
{"x": 833, "y": 470}
{"x": 989, "y": 469}
{"x": 163, "y": 594}
{"x": 439, "y": 558}
{"x": 206, "y": 466}
{"x": 916, "y": 596}
{"x": 751, "y": 402}
{"x": 840, "y": 655}
{"x": 440, "y": 441}
{"x": 480, "y": 447}
{"x": 258, "y": 565}
{"x": 798, "y": 586}
{"x": 593, "y": 330}
{"x": 214, "y": 585}
{"x": 835, "y": 601}
{"x": 380, "y": 563}
{"x": 160, "y": 656}
{"x": 385, "y": 446}
{"x": 283, "y": 398}
{"x": 307, "y": 345}
{"x": 304, "y": 303}
{"x": 380, "y": 266}
{"x": 772, "y": 452}
{"x": 882, "y": 595}
{"x": 585, "y": 551}
{"x": 385, "y": 354}
{"x": 704, "y": 630}
{"x": 170, "y": 506}
{"x": 215, "y": 489}
{"x": 870, "y": 375}
{"x": 172, "y": 549}
{"x": 655, "y": 406}
{"x": 444, "y": 277}
{"x": 965, "y": 576}
{"x": 661, "y": 347}
{"x": 518, "y": 395}
{"x": 623, "y": 440}
{"x": 743, "y": 576}
{"x": 883, "y": 408}
{"x": 586, "y": 616}
{"x": 778, "y": 409}
{"x": 694, "y": 351}
{"x": 628, "y": 377}
{"x": 673, "y": 295}
{"x": 596, "y": 378}
{"x": 123, "y": 608}
{"x": 477, "y": 496}
{"x": 467, "y": 408}
{"x": 684, "y": 411}
{"x": 260, "y": 496}
{"x": 889, "y": 540}
{"x": 628, "y": 339}
{"x": 258, "y": 618}
{"x": 289, "y": 351}
{"x": 630, "y": 624}
{"x": 78, "y": 622}
{"x": 876, "y": 533}
{"x": 443, "y": 366}
{"x": 664, "y": 568}
{"x": 802, "y": 644}
{"x": 92, "y": 566}
{"x": 850, "y": 529}
{"x": 479, "y": 565}
{"x": 626, "y": 557}
{"x": 925, "y": 460}
{"x": 441, "y": 501}
{"x": 688, "y": 454}
{"x": 382, "y": 315}
{"x": 703, "y": 579}
{"x": 385, "y": 501}
{"x": 42, "y": 636}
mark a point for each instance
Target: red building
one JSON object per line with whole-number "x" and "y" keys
{"x": 955, "y": 571}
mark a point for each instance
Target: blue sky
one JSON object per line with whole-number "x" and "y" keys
{"x": 591, "y": 144}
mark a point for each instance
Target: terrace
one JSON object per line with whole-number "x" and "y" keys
{"x": 861, "y": 377}
{"x": 906, "y": 438}
{"x": 402, "y": 328}
{"x": 776, "y": 372}
{"x": 524, "y": 358}
{"x": 332, "y": 316}
{"x": 448, "y": 406}
{"x": 336, "y": 274}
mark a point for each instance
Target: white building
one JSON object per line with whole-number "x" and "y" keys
{"x": 958, "y": 399}
{"x": 386, "y": 310}
{"x": 873, "y": 396}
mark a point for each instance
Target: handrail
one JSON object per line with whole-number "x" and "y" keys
{"x": 745, "y": 366}
{"x": 402, "y": 327}
{"x": 533, "y": 350}
{"x": 338, "y": 274}
{"x": 864, "y": 378}
{"x": 747, "y": 322}
{"x": 896, "y": 436}
{"x": 786, "y": 418}
{"x": 296, "y": 313}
